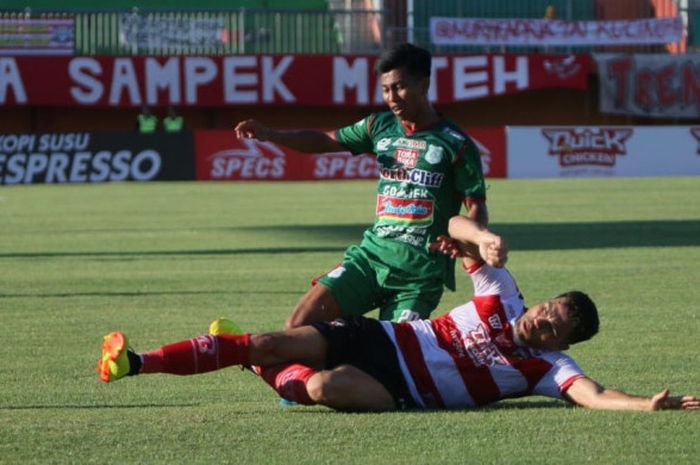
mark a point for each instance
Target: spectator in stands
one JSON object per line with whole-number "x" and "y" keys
{"x": 146, "y": 122}
{"x": 550, "y": 12}
{"x": 173, "y": 122}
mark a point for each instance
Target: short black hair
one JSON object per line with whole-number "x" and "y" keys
{"x": 416, "y": 60}
{"x": 583, "y": 313}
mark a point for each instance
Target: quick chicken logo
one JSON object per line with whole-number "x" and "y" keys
{"x": 696, "y": 133}
{"x": 589, "y": 146}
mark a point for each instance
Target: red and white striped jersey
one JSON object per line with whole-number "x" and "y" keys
{"x": 468, "y": 357}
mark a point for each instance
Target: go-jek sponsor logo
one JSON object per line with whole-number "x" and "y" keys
{"x": 253, "y": 160}
{"x": 596, "y": 147}
{"x": 393, "y": 210}
{"x": 414, "y": 176}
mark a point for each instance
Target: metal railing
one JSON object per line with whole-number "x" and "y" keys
{"x": 216, "y": 32}
{"x": 349, "y": 31}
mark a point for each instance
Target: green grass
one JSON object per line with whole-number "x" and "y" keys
{"x": 161, "y": 260}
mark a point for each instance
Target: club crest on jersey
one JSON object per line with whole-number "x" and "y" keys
{"x": 495, "y": 322}
{"x": 434, "y": 154}
{"x": 414, "y": 212}
{"x": 407, "y": 158}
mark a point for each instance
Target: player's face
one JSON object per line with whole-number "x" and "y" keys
{"x": 405, "y": 95}
{"x": 546, "y": 325}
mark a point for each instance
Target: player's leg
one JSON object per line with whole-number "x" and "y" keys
{"x": 318, "y": 304}
{"x": 348, "y": 289}
{"x": 349, "y": 388}
{"x": 212, "y": 352}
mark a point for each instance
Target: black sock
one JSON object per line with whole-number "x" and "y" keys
{"x": 134, "y": 362}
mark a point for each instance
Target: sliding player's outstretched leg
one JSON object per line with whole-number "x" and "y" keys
{"x": 192, "y": 356}
{"x": 211, "y": 352}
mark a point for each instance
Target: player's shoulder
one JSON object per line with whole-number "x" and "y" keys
{"x": 382, "y": 121}
{"x": 453, "y": 135}
{"x": 487, "y": 300}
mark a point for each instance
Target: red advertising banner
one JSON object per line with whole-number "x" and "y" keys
{"x": 491, "y": 142}
{"x": 652, "y": 85}
{"x": 219, "y": 155}
{"x": 321, "y": 80}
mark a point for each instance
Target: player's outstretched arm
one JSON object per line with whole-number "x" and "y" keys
{"x": 587, "y": 393}
{"x": 472, "y": 241}
{"x": 303, "y": 140}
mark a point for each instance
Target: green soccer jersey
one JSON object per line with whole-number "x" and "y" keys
{"x": 424, "y": 177}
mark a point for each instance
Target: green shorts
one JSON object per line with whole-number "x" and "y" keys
{"x": 356, "y": 286}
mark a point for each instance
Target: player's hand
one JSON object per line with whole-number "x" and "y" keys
{"x": 447, "y": 246}
{"x": 252, "y": 129}
{"x": 493, "y": 250}
{"x": 662, "y": 401}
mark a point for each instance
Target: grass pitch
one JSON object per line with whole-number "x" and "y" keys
{"x": 160, "y": 260}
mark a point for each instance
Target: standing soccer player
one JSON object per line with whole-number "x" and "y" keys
{"x": 428, "y": 168}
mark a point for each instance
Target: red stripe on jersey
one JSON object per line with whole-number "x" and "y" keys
{"x": 477, "y": 379}
{"x": 410, "y": 348}
{"x": 474, "y": 267}
{"x": 370, "y": 121}
{"x": 533, "y": 369}
{"x": 567, "y": 384}
{"x": 493, "y": 315}
{"x": 461, "y": 150}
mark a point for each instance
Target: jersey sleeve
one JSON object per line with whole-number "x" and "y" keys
{"x": 357, "y": 137}
{"x": 469, "y": 176}
{"x": 560, "y": 377}
{"x": 489, "y": 280}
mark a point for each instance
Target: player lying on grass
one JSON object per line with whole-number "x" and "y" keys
{"x": 490, "y": 348}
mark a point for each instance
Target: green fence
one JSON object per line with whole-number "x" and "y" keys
{"x": 318, "y": 29}
{"x": 208, "y": 32}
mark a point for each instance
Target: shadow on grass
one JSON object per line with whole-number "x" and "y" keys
{"x": 528, "y": 405}
{"x": 92, "y": 406}
{"x": 620, "y": 234}
{"x": 510, "y": 405}
{"x": 60, "y": 295}
{"x": 507, "y": 405}
{"x": 520, "y": 236}
{"x": 167, "y": 253}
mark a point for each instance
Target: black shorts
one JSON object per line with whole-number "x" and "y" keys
{"x": 362, "y": 343}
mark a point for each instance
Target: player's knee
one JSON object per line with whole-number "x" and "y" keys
{"x": 322, "y": 387}
{"x": 318, "y": 304}
{"x": 267, "y": 344}
{"x": 295, "y": 320}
